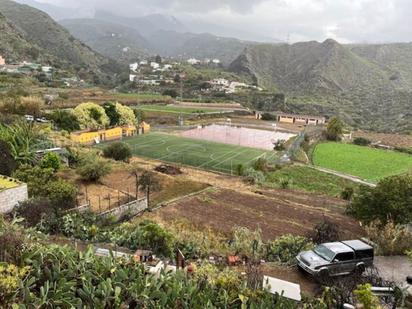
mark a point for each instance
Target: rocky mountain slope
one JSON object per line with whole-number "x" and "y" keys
{"x": 369, "y": 86}
{"x": 39, "y": 38}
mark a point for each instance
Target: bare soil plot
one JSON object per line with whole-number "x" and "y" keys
{"x": 395, "y": 140}
{"x": 275, "y": 212}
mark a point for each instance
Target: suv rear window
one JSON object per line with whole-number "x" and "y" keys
{"x": 344, "y": 256}
{"x": 362, "y": 254}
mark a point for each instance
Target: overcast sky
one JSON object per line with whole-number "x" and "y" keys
{"x": 298, "y": 20}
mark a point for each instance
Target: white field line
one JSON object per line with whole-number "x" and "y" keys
{"x": 218, "y": 158}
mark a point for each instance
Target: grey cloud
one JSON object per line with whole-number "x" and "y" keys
{"x": 346, "y": 20}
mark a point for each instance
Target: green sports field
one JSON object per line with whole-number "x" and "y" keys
{"x": 198, "y": 153}
{"x": 367, "y": 163}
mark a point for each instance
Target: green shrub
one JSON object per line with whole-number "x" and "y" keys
{"x": 51, "y": 160}
{"x": 248, "y": 243}
{"x": 92, "y": 168}
{"x": 62, "y": 193}
{"x": 391, "y": 199}
{"x": 390, "y": 239}
{"x": 361, "y": 141}
{"x": 347, "y": 193}
{"x": 284, "y": 249}
{"x": 365, "y": 296}
{"x": 325, "y": 231}
{"x": 7, "y": 162}
{"x": 118, "y": 151}
{"x": 33, "y": 210}
{"x": 36, "y": 178}
{"x": 65, "y": 120}
{"x": 254, "y": 177}
{"x": 240, "y": 169}
{"x": 334, "y": 130}
{"x": 260, "y": 164}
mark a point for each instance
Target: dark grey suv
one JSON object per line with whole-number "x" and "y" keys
{"x": 336, "y": 258}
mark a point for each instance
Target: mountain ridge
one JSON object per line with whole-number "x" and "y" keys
{"x": 53, "y": 43}
{"x": 332, "y": 79}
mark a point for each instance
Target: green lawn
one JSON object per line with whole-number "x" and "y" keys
{"x": 142, "y": 96}
{"x": 198, "y": 153}
{"x": 367, "y": 163}
{"x": 177, "y": 109}
{"x": 308, "y": 179}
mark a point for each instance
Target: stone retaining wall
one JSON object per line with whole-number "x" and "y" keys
{"x": 130, "y": 209}
{"x": 9, "y": 198}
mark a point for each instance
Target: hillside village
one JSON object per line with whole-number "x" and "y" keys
{"x": 184, "y": 180}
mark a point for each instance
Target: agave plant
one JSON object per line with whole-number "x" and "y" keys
{"x": 24, "y": 139}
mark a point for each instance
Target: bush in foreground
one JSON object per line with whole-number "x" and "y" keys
{"x": 118, "y": 151}
{"x": 284, "y": 249}
{"x": 92, "y": 168}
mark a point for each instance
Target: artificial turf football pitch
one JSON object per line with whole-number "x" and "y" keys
{"x": 198, "y": 153}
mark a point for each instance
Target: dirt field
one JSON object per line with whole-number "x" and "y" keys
{"x": 275, "y": 212}
{"x": 395, "y": 140}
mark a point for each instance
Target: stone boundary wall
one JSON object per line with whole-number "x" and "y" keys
{"x": 10, "y": 198}
{"x": 130, "y": 209}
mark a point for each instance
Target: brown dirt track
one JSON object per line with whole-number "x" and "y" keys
{"x": 275, "y": 212}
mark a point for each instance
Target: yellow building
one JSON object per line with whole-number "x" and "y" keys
{"x": 144, "y": 128}
{"x": 129, "y": 130}
{"x": 103, "y": 135}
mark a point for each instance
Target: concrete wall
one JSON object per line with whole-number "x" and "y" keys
{"x": 11, "y": 197}
{"x": 129, "y": 209}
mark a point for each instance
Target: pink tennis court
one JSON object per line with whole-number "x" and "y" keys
{"x": 241, "y": 136}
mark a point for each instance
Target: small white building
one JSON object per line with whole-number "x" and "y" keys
{"x": 132, "y": 77}
{"x": 193, "y": 61}
{"x": 167, "y": 67}
{"x": 133, "y": 66}
{"x": 143, "y": 62}
{"x": 216, "y": 61}
{"x": 220, "y": 82}
{"x": 46, "y": 69}
{"x": 2, "y": 60}
{"x": 155, "y": 65}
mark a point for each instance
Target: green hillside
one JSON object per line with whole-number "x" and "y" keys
{"x": 39, "y": 38}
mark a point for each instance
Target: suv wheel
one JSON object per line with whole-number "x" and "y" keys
{"x": 360, "y": 269}
{"x": 323, "y": 274}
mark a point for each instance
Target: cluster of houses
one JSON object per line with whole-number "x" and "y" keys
{"x": 227, "y": 86}
{"x": 206, "y": 61}
{"x": 139, "y": 72}
{"x": 24, "y": 67}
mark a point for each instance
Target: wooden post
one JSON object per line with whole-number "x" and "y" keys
{"x": 87, "y": 195}
{"x": 109, "y": 201}
{"x": 100, "y": 205}
{"x": 118, "y": 198}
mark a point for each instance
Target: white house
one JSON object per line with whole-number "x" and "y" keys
{"x": 216, "y": 61}
{"x": 193, "y": 61}
{"x": 167, "y": 67}
{"x": 132, "y": 77}
{"x": 220, "y": 82}
{"x": 155, "y": 65}
{"x": 2, "y": 61}
{"x": 134, "y": 66}
{"x": 46, "y": 69}
{"x": 143, "y": 62}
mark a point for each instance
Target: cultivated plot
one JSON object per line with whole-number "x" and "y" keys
{"x": 202, "y": 154}
{"x": 367, "y": 163}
